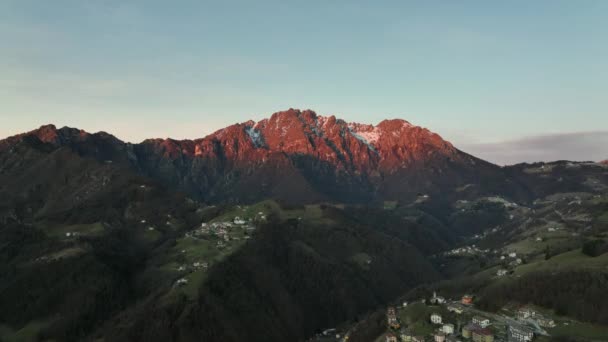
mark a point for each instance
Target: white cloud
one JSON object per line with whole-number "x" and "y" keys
{"x": 576, "y": 146}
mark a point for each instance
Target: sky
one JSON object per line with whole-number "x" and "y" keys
{"x": 508, "y": 81}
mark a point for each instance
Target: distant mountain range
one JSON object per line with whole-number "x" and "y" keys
{"x": 99, "y": 236}
{"x": 296, "y": 157}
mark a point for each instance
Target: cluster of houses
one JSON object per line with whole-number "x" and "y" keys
{"x": 528, "y": 314}
{"x": 222, "y": 229}
{"x": 478, "y": 329}
{"x": 513, "y": 259}
{"x": 467, "y": 250}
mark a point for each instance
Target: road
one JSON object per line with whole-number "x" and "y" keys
{"x": 502, "y": 318}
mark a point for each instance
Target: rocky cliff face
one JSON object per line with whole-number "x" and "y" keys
{"x": 295, "y": 156}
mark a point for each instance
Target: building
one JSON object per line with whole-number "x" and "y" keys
{"x": 406, "y": 335}
{"x": 436, "y": 318}
{"x": 481, "y": 321}
{"x": 437, "y": 299}
{"x": 502, "y": 272}
{"x": 545, "y": 322}
{"x": 418, "y": 339}
{"x": 391, "y": 317}
{"x": 520, "y": 333}
{"x": 525, "y": 313}
{"x": 455, "y": 308}
{"x": 482, "y": 335}
{"x": 467, "y": 299}
{"x": 390, "y": 337}
{"x": 439, "y": 337}
{"x": 448, "y": 329}
{"x": 467, "y": 330}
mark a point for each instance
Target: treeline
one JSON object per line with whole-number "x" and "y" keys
{"x": 595, "y": 247}
{"x": 72, "y": 295}
{"x": 580, "y": 294}
{"x": 291, "y": 281}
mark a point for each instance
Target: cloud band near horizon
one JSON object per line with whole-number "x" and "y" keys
{"x": 575, "y": 146}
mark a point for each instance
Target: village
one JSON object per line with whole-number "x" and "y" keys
{"x": 211, "y": 241}
{"x": 444, "y": 320}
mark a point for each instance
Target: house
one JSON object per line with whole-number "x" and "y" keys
{"x": 467, "y": 330}
{"x": 439, "y": 337}
{"x": 481, "y": 321}
{"x": 520, "y": 333}
{"x": 454, "y": 308}
{"x": 436, "y": 318}
{"x": 467, "y": 299}
{"x": 239, "y": 221}
{"x": 418, "y": 339}
{"x": 512, "y": 255}
{"x": 482, "y": 335}
{"x": 391, "y": 317}
{"x": 502, "y": 272}
{"x": 182, "y": 281}
{"x": 448, "y": 329}
{"x": 525, "y": 313}
{"x": 545, "y": 322}
{"x": 437, "y": 299}
{"x": 406, "y": 335}
{"x": 390, "y": 337}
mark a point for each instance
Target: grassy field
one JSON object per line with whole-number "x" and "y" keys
{"x": 82, "y": 229}
{"x": 416, "y": 317}
{"x": 579, "y": 329}
{"x": 569, "y": 260}
{"x": 250, "y": 212}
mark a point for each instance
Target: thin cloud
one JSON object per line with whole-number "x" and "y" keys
{"x": 576, "y": 146}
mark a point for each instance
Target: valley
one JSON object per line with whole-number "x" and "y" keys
{"x": 274, "y": 237}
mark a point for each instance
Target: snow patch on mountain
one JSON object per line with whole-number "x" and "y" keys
{"x": 255, "y": 135}
{"x": 363, "y": 140}
{"x": 371, "y": 136}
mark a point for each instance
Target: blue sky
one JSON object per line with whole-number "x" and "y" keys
{"x": 476, "y": 72}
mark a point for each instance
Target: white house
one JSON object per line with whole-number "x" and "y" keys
{"x": 456, "y": 309}
{"x": 239, "y": 221}
{"x": 448, "y": 329}
{"x": 520, "y": 333}
{"x": 501, "y": 272}
{"x": 512, "y": 255}
{"x": 525, "y": 313}
{"x": 436, "y": 318}
{"x": 437, "y": 299}
{"x": 481, "y": 321}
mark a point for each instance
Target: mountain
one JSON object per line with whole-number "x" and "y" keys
{"x": 297, "y": 157}
{"x": 105, "y": 240}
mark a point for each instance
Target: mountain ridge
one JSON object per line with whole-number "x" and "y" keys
{"x": 295, "y": 156}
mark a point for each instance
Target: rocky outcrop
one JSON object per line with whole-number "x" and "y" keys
{"x": 295, "y": 156}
